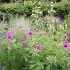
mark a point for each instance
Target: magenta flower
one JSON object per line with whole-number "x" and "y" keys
{"x": 65, "y": 45}
{"x": 39, "y": 47}
{"x": 30, "y": 32}
{"x": 25, "y": 43}
{"x": 9, "y": 36}
{"x": 65, "y": 35}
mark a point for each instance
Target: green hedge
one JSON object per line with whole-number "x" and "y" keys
{"x": 17, "y": 8}
{"x": 26, "y": 8}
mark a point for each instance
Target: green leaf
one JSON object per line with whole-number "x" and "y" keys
{"x": 33, "y": 43}
{"x": 41, "y": 42}
{"x": 46, "y": 37}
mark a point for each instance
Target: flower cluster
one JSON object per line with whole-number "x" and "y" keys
{"x": 30, "y": 33}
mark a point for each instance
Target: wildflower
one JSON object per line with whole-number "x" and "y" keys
{"x": 65, "y": 35}
{"x": 25, "y": 43}
{"x": 65, "y": 45}
{"x": 39, "y": 47}
{"x": 59, "y": 20}
{"x": 30, "y": 32}
{"x": 9, "y": 36}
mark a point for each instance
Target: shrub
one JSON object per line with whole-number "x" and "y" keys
{"x": 26, "y": 8}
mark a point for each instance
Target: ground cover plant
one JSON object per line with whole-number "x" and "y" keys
{"x": 32, "y": 38}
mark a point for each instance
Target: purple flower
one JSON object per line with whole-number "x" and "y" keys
{"x": 65, "y": 45}
{"x": 30, "y": 32}
{"x": 25, "y": 43}
{"x": 59, "y": 19}
{"x": 39, "y": 47}
{"x": 9, "y": 36}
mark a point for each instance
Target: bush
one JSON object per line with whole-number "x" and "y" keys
{"x": 62, "y": 9}
{"x": 17, "y": 8}
{"x": 61, "y": 12}
{"x": 26, "y": 8}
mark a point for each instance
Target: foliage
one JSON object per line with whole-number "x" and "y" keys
{"x": 26, "y": 8}
{"x": 38, "y": 42}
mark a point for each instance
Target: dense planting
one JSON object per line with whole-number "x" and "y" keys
{"x": 35, "y": 36}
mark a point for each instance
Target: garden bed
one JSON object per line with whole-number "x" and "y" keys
{"x": 35, "y": 36}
